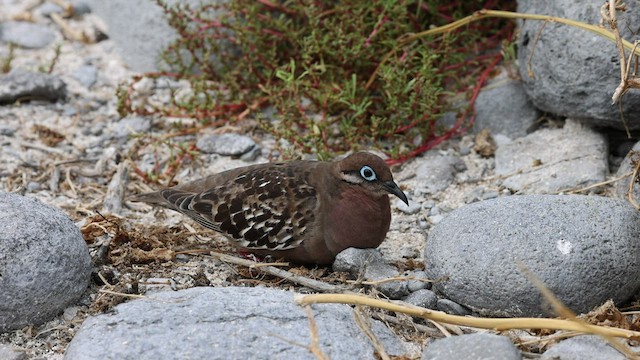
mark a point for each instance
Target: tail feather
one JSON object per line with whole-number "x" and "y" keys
{"x": 152, "y": 198}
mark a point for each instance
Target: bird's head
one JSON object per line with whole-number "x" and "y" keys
{"x": 371, "y": 172}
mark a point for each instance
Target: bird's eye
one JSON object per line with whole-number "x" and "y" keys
{"x": 367, "y": 173}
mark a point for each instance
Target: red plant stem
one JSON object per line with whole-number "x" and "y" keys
{"x": 278, "y": 7}
{"x": 375, "y": 31}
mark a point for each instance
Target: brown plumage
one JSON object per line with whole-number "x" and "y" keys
{"x": 302, "y": 211}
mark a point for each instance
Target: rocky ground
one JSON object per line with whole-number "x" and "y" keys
{"x": 63, "y": 143}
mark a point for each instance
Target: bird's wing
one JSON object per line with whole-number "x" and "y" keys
{"x": 266, "y": 207}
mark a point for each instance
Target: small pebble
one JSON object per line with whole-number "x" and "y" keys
{"x": 81, "y": 8}
{"x": 436, "y": 219}
{"x": 490, "y": 195}
{"x": 33, "y": 186}
{"x": 252, "y": 154}
{"x": 465, "y": 150}
{"x": 70, "y": 313}
{"x": 86, "y": 75}
{"x": 26, "y": 35}
{"x": 129, "y": 125}
{"x": 452, "y": 307}
{"x": 412, "y": 208}
{"x": 423, "y": 298}
{"x": 415, "y": 285}
{"x": 472, "y": 346}
{"x": 225, "y": 144}
{"x": 428, "y": 204}
{"x": 49, "y": 8}
{"x": 6, "y": 130}
{"x": 182, "y": 258}
{"x": 424, "y": 224}
{"x": 8, "y": 353}
{"x": 158, "y": 284}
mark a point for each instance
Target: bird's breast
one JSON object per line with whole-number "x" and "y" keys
{"x": 356, "y": 219}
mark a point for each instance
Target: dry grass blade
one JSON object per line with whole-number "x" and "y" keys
{"x": 596, "y": 185}
{"x": 632, "y": 181}
{"x": 564, "y": 311}
{"x": 133, "y": 296}
{"x": 364, "y": 325}
{"x": 314, "y": 347}
{"x": 284, "y": 274}
{"x": 484, "y": 323}
{"x": 431, "y": 332}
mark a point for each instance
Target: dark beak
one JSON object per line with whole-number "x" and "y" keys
{"x": 394, "y": 189}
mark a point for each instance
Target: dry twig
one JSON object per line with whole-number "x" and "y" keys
{"x": 608, "y": 13}
{"x": 484, "y": 323}
{"x": 284, "y": 274}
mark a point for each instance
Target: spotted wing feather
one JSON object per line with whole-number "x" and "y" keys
{"x": 270, "y": 207}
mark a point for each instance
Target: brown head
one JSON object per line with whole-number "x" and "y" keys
{"x": 370, "y": 172}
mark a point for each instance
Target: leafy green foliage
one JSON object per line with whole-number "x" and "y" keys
{"x": 312, "y": 62}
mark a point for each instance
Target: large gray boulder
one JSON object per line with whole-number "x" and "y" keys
{"x": 224, "y": 323}
{"x": 140, "y": 29}
{"x": 529, "y": 165}
{"x": 44, "y": 262}
{"x": 585, "y": 249}
{"x": 576, "y": 71}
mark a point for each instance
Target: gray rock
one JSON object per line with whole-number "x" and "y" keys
{"x": 7, "y": 353}
{"x": 490, "y": 195}
{"x": 139, "y": 29}
{"x": 582, "y": 347}
{"x": 49, "y": 8}
{"x": 626, "y": 167}
{"x": 428, "y": 204}
{"x": 578, "y": 158}
{"x": 86, "y": 75}
{"x": 127, "y": 126}
{"x": 435, "y": 219}
{"x": 225, "y": 144}
{"x": 224, "y": 323}
{"x": 354, "y": 261}
{"x": 415, "y": 285}
{"x": 27, "y": 35}
{"x": 504, "y": 108}
{"x": 252, "y": 154}
{"x": 583, "y": 248}
{"x": 465, "y": 150}
{"x": 44, "y": 262}
{"x": 451, "y": 307}
{"x": 472, "y": 346}
{"x": 79, "y": 8}
{"x": 411, "y": 209}
{"x": 20, "y": 85}
{"x": 423, "y": 298}
{"x": 474, "y": 194}
{"x": 436, "y": 172}
{"x": 7, "y": 130}
{"x": 369, "y": 265}
{"x": 570, "y": 78}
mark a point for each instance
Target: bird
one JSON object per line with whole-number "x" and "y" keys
{"x": 302, "y": 211}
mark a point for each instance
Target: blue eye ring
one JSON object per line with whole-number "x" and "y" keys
{"x": 368, "y": 174}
